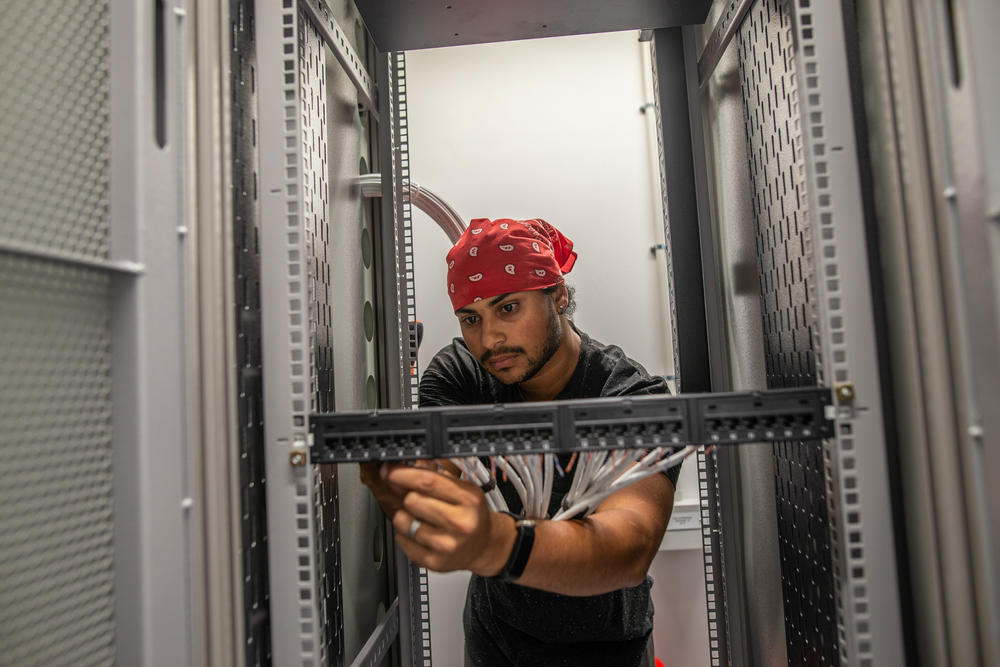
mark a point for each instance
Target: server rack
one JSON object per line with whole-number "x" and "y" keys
{"x": 146, "y": 205}
{"x": 809, "y": 211}
{"x": 812, "y": 622}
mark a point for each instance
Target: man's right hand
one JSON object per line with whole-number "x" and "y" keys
{"x": 456, "y": 530}
{"x": 389, "y": 496}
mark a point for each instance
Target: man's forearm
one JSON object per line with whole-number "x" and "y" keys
{"x": 609, "y": 550}
{"x": 445, "y": 524}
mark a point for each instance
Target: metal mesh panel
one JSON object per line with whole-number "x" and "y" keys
{"x": 316, "y": 191}
{"x": 56, "y": 577}
{"x": 784, "y": 248}
{"x": 246, "y": 251}
{"x": 329, "y": 562}
{"x": 312, "y": 68}
{"x": 54, "y": 85}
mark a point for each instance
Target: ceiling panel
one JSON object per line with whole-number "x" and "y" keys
{"x": 403, "y": 25}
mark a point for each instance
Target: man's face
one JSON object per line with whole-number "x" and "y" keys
{"x": 512, "y": 335}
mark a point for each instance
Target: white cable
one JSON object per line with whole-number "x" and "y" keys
{"x": 598, "y": 471}
{"x": 580, "y": 478}
{"x": 550, "y": 460}
{"x": 474, "y": 470}
{"x": 619, "y": 464}
{"x": 516, "y": 463}
{"x": 514, "y": 478}
{"x": 598, "y": 475}
{"x": 661, "y": 466}
{"x": 463, "y": 465}
{"x": 582, "y": 507}
{"x": 587, "y": 504}
{"x": 538, "y": 469}
{"x": 538, "y": 477}
{"x": 491, "y": 503}
{"x": 582, "y": 465}
{"x": 499, "y": 502}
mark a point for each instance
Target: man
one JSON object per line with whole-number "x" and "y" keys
{"x": 569, "y": 592}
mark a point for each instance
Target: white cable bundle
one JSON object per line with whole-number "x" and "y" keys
{"x": 598, "y": 475}
{"x": 474, "y": 470}
{"x": 608, "y": 472}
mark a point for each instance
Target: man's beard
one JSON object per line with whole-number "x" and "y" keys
{"x": 552, "y": 341}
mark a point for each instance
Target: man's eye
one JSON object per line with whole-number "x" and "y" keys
{"x": 470, "y": 320}
{"x": 509, "y": 307}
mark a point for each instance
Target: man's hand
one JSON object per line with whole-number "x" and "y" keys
{"x": 390, "y": 499}
{"x": 610, "y": 549}
{"x": 458, "y": 529}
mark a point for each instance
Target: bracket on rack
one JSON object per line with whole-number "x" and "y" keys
{"x": 627, "y": 422}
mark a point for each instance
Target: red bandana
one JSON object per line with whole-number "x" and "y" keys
{"x": 500, "y": 256}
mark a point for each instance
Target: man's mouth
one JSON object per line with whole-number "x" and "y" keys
{"x": 502, "y": 362}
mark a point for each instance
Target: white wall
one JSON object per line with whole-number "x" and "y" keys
{"x": 552, "y": 129}
{"x": 545, "y": 129}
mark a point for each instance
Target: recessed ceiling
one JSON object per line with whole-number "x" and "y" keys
{"x": 403, "y": 25}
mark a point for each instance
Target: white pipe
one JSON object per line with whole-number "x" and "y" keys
{"x": 438, "y": 209}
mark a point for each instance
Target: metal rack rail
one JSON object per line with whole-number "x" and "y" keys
{"x": 577, "y": 425}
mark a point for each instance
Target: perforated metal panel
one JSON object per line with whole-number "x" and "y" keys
{"x": 56, "y": 551}
{"x": 56, "y": 577}
{"x": 777, "y": 172}
{"x": 246, "y": 250}
{"x": 54, "y": 87}
{"x": 316, "y": 192}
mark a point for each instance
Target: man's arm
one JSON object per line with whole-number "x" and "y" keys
{"x": 608, "y": 550}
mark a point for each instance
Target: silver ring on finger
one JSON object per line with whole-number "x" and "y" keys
{"x": 414, "y": 527}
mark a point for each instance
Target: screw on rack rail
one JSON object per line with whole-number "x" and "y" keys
{"x": 845, "y": 392}
{"x": 297, "y": 456}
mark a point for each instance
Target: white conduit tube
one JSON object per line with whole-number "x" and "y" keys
{"x": 438, "y": 209}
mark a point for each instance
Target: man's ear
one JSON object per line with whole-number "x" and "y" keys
{"x": 561, "y": 298}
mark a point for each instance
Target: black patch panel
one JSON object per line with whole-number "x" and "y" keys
{"x": 629, "y": 422}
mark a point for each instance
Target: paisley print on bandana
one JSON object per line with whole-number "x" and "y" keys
{"x": 494, "y": 257}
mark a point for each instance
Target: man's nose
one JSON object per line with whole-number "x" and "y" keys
{"x": 493, "y": 333}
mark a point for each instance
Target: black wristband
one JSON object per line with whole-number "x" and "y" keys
{"x": 521, "y": 551}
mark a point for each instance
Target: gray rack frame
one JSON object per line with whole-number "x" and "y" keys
{"x": 578, "y": 425}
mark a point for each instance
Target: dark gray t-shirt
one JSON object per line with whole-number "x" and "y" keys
{"x": 508, "y": 624}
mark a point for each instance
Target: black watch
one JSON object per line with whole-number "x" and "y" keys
{"x": 520, "y": 553}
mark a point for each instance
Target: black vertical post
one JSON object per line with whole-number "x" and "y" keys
{"x": 682, "y": 230}
{"x": 680, "y": 212}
